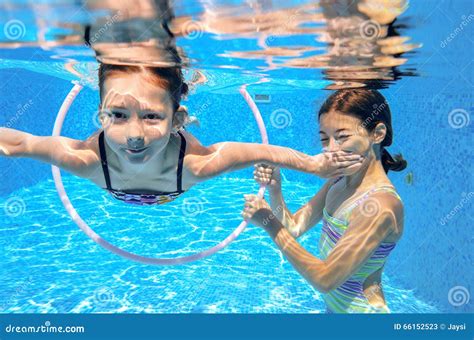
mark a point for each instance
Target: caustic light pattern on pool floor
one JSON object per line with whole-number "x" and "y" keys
{"x": 51, "y": 266}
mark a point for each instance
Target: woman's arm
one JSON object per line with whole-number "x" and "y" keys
{"x": 363, "y": 235}
{"x": 230, "y": 156}
{"x": 306, "y": 217}
{"x": 69, "y": 154}
{"x": 310, "y": 214}
{"x": 270, "y": 177}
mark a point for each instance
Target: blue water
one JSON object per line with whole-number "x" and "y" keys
{"x": 49, "y": 265}
{"x": 53, "y": 267}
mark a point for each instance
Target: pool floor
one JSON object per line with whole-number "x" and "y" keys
{"x": 51, "y": 266}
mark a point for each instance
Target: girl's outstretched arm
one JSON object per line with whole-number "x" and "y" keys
{"x": 230, "y": 156}
{"x": 69, "y": 154}
{"x": 362, "y": 237}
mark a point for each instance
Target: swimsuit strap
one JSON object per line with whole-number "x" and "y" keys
{"x": 103, "y": 158}
{"x": 105, "y": 167}
{"x": 182, "y": 152}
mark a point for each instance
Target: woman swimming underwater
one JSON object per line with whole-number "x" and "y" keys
{"x": 142, "y": 155}
{"x": 361, "y": 211}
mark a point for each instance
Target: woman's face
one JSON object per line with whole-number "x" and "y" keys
{"x": 137, "y": 116}
{"x": 341, "y": 132}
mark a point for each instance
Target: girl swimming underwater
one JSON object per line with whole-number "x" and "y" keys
{"x": 361, "y": 211}
{"x": 142, "y": 155}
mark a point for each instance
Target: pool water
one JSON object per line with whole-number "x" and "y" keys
{"x": 49, "y": 265}
{"x": 54, "y": 268}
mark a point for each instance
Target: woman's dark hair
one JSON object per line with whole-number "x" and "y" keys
{"x": 169, "y": 78}
{"x": 371, "y": 108}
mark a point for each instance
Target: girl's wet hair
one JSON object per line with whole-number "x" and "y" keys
{"x": 169, "y": 78}
{"x": 371, "y": 108}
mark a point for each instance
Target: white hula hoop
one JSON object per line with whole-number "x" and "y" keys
{"x": 116, "y": 250}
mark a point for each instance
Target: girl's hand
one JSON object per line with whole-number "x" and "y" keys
{"x": 338, "y": 163}
{"x": 257, "y": 211}
{"x": 268, "y": 175}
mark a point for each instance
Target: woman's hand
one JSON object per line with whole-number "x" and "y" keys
{"x": 257, "y": 211}
{"x": 337, "y": 163}
{"x": 267, "y": 175}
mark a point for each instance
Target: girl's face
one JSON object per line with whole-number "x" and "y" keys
{"x": 137, "y": 116}
{"x": 341, "y": 132}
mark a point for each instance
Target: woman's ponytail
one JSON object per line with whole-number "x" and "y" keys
{"x": 396, "y": 163}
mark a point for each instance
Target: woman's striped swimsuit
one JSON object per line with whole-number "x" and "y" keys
{"x": 349, "y": 297}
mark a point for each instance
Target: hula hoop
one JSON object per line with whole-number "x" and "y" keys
{"x": 119, "y": 251}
